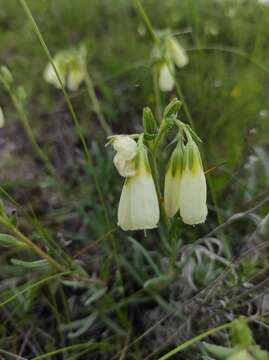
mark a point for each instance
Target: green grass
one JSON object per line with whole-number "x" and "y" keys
{"x": 117, "y": 297}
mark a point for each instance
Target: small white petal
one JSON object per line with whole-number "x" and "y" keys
{"x": 178, "y": 53}
{"x": 51, "y": 77}
{"x": 125, "y": 146}
{"x": 125, "y": 167}
{"x": 193, "y": 209}
{"x": 166, "y": 80}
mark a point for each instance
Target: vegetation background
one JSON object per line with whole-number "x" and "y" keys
{"x": 113, "y": 297}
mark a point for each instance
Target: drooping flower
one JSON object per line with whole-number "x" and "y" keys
{"x": 192, "y": 197}
{"x": 126, "y": 149}
{"x": 177, "y": 52}
{"x": 170, "y": 53}
{"x": 139, "y": 207}
{"x": 173, "y": 181}
{"x": 2, "y": 118}
{"x": 70, "y": 67}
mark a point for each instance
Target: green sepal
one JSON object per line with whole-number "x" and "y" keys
{"x": 259, "y": 353}
{"x": 220, "y": 352}
{"x": 141, "y": 157}
{"x": 241, "y": 334}
{"x": 191, "y": 155}
{"x": 6, "y": 76}
{"x": 188, "y": 155}
{"x": 172, "y": 108}
{"x": 193, "y": 134}
{"x": 176, "y": 160}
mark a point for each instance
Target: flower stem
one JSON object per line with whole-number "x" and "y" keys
{"x": 157, "y": 94}
{"x": 96, "y": 104}
{"x": 195, "y": 339}
{"x": 146, "y": 20}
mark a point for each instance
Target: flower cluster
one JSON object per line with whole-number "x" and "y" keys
{"x": 168, "y": 54}
{"x": 138, "y": 207}
{"x": 70, "y": 65}
{"x": 137, "y": 161}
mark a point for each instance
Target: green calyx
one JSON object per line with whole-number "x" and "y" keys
{"x": 172, "y": 108}
{"x": 192, "y": 157}
{"x": 241, "y": 334}
{"x": 141, "y": 160}
{"x": 176, "y": 160}
{"x": 149, "y": 124}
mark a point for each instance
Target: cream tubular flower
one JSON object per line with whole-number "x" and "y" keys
{"x": 166, "y": 79}
{"x": 70, "y": 67}
{"x": 173, "y": 181}
{"x": 139, "y": 207}
{"x": 177, "y": 52}
{"x": 192, "y": 198}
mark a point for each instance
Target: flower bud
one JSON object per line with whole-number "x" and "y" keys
{"x": 172, "y": 108}
{"x": 177, "y": 52}
{"x": 139, "y": 207}
{"x": 193, "y": 209}
{"x": 125, "y": 146}
{"x": 6, "y": 75}
{"x": 149, "y": 123}
{"x": 173, "y": 181}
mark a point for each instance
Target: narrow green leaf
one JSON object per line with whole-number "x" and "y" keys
{"x": 9, "y": 241}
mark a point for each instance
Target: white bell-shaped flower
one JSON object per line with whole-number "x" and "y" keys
{"x": 126, "y": 149}
{"x": 70, "y": 67}
{"x": 192, "y": 198}
{"x": 166, "y": 79}
{"x": 172, "y": 181}
{"x": 139, "y": 206}
{"x": 177, "y": 52}
{"x": 2, "y": 118}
